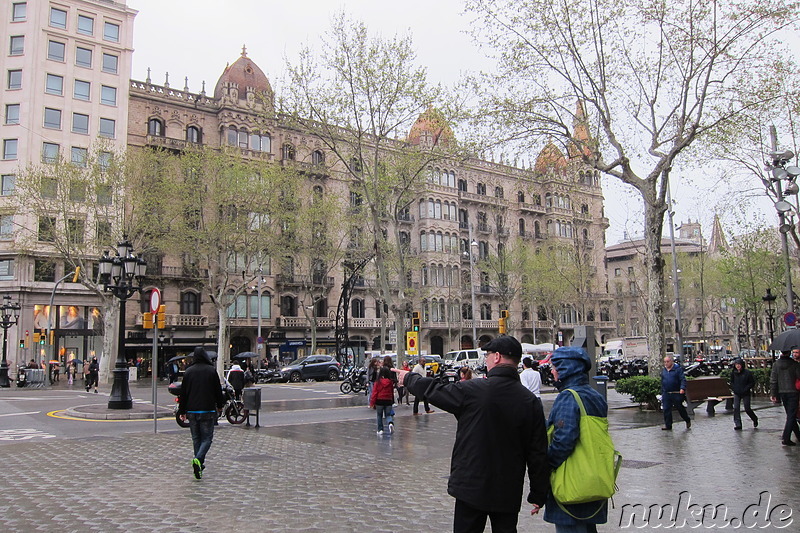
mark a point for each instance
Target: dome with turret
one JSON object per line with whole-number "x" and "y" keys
{"x": 243, "y": 80}
{"x": 430, "y": 129}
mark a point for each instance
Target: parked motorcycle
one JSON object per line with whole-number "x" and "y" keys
{"x": 355, "y": 380}
{"x": 22, "y": 377}
{"x": 233, "y": 409}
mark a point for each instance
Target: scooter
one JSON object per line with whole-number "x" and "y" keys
{"x": 233, "y": 409}
{"x": 22, "y": 377}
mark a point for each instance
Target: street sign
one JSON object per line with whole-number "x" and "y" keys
{"x": 260, "y": 340}
{"x": 155, "y": 300}
{"x": 790, "y": 319}
{"x": 412, "y": 342}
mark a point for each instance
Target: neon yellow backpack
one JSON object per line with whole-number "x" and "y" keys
{"x": 590, "y": 472}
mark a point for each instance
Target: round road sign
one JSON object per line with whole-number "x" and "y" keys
{"x": 155, "y": 300}
{"x": 790, "y": 319}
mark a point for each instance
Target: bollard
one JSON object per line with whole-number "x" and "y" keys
{"x": 251, "y": 397}
{"x": 601, "y": 386}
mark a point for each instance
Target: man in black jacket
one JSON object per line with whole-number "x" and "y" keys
{"x": 501, "y": 431}
{"x": 783, "y": 379}
{"x": 200, "y": 399}
{"x": 742, "y": 384}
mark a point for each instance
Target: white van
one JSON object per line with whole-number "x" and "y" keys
{"x": 470, "y": 358}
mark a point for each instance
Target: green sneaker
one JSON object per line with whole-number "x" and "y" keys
{"x": 198, "y": 468}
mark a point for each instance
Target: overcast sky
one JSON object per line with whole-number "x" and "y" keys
{"x": 197, "y": 38}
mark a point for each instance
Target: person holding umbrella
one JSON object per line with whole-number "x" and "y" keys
{"x": 783, "y": 378}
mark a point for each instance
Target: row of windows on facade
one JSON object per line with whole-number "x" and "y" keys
{"x": 57, "y": 51}
{"x": 107, "y": 127}
{"x": 59, "y": 18}
{"x": 51, "y": 153}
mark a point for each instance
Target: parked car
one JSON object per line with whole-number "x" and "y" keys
{"x": 317, "y": 367}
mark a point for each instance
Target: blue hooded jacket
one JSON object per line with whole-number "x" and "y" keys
{"x": 572, "y": 365}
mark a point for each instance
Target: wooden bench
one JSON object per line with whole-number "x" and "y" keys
{"x": 709, "y": 389}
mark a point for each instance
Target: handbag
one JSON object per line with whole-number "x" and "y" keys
{"x": 590, "y": 472}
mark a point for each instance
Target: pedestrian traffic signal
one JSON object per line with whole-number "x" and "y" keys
{"x": 147, "y": 320}
{"x": 415, "y": 321}
{"x": 161, "y": 319}
{"x": 22, "y": 343}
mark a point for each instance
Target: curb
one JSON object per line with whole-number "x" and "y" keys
{"x": 101, "y": 412}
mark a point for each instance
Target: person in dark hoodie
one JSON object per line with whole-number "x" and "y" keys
{"x": 200, "y": 399}
{"x": 742, "y": 383}
{"x": 570, "y": 367}
{"x": 782, "y": 380}
{"x": 500, "y": 433}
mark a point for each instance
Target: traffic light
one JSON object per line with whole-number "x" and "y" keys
{"x": 162, "y": 316}
{"x": 503, "y": 326}
{"x": 77, "y": 275}
{"x": 22, "y": 343}
{"x": 415, "y": 321}
{"x": 147, "y": 320}
{"x": 37, "y": 339}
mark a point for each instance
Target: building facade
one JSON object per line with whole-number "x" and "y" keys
{"x": 66, "y": 72}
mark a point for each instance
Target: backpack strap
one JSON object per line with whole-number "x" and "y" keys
{"x": 578, "y": 400}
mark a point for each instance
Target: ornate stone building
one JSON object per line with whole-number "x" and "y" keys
{"x": 473, "y": 206}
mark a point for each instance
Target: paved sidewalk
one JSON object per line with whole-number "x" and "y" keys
{"x": 341, "y": 477}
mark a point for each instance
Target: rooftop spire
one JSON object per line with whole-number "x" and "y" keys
{"x": 244, "y": 51}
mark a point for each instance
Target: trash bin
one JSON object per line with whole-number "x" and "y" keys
{"x": 601, "y": 386}
{"x": 251, "y": 397}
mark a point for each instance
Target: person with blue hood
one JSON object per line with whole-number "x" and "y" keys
{"x": 201, "y": 398}
{"x": 570, "y": 367}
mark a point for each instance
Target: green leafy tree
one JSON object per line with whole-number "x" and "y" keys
{"x": 73, "y": 210}
{"x": 654, "y": 81}
{"x": 359, "y": 98}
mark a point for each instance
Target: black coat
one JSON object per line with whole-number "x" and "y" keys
{"x": 501, "y": 430}
{"x": 201, "y": 389}
{"x": 742, "y": 383}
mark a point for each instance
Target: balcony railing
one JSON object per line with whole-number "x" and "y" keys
{"x": 297, "y": 280}
{"x": 180, "y": 321}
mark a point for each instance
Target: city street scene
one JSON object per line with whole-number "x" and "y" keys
{"x": 301, "y": 208}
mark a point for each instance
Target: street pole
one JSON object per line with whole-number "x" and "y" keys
{"x": 773, "y": 134}
{"x": 153, "y": 373}
{"x": 675, "y": 286}
{"x": 259, "y": 344}
{"x": 472, "y": 288}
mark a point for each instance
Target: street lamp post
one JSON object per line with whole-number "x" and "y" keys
{"x": 121, "y": 275}
{"x": 472, "y": 244}
{"x": 769, "y": 300}
{"x": 8, "y": 318}
{"x": 782, "y": 171}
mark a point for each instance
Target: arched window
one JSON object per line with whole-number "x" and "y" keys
{"x": 357, "y": 308}
{"x": 287, "y": 152}
{"x": 424, "y": 274}
{"x": 498, "y": 192}
{"x": 423, "y": 209}
{"x": 521, "y": 224}
{"x": 155, "y": 127}
{"x": 423, "y": 241}
{"x": 439, "y": 242}
{"x": 321, "y": 308}
{"x": 238, "y": 306}
{"x": 190, "y": 303}
{"x": 521, "y": 197}
{"x": 480, "y": 188}
{"x": 466, "y": 311}
{"x": 437, "y": 209}
{"x": 462, "y": 185}
{"x": 318, "y": 194}
{"x": 264, "y": 306}
{"x": 486, "y": 312}
{"x": 193, "y": 134}
{"x": 451, "y": 179}
{"x": 317, "y": 157}
{"x": 238, "y": 138}
{"x": 548, "y": 200}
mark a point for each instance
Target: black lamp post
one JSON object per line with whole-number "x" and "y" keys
{"x": 769, "y": 300}
{"x": 8, "y": 318}
{"x": 121, "y": 275}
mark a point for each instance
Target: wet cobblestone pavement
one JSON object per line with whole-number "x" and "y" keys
{"x": 341, "y": 477}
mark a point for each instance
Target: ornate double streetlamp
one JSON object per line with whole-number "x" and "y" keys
{"x": 769, "y": 300}
{"x": 9, "y": 316}
{"x": 121, "y": 275}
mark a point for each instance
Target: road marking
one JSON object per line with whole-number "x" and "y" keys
{"x": 24, "y": 434}
{"x": 42, "y": 398}
{"x": 18, "y": 414}
{"x": 56, "y": 414}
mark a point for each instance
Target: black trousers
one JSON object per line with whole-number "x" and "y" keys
{"x": 468, "y": 519}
